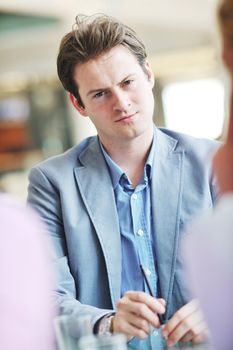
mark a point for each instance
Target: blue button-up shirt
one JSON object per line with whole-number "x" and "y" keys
{"x": 135, "y": 221}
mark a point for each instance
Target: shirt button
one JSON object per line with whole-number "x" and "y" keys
{"x": 134, "y": 196}
{"x": 140, "y": 232}
{"x": 148, "y": 272}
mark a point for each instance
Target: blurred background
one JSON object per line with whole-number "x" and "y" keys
{"x": 36, "y": 118}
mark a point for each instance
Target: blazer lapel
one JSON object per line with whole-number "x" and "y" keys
{"x": 166, "y": 200}
{"x": 96, "y": 189}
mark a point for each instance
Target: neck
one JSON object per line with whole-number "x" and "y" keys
{"x": 131, "y": 156}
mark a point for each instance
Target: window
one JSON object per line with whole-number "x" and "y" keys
{"x": 195, "y": 107}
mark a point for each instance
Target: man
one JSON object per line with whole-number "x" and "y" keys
{"x": 122, "y": 199}
{"x": 208, "y": 251}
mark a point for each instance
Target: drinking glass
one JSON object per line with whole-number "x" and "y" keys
{"x": 111, "y": 342}
{"x": 69, "y": 329}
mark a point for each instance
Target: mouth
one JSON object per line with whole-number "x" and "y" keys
{"x": 126, "y": 118}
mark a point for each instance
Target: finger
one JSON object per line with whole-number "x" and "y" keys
{"x": 199, "y": 330}
{"x": 191, "y": 326}
{"x": 179, "y": 332}
{"x": 199, "y": 339}
{"x": 139, "y": 323}
{"x": 128, "y": 308}
{"x": 188, "y": 337}
{"x": 146, "y": 313}
{"x": 122, "y": 326}
{"x": 162, "y": 301}
{"x": 179, "y": 317}
{"x": 156, "y": 305}
{"x": 202, "y": 337}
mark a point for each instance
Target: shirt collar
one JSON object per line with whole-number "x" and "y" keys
{"x": 116, "y": 172}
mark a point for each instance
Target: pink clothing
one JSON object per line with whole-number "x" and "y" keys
{"x": 208, "y": 253}
{"x": 26, "y": 280}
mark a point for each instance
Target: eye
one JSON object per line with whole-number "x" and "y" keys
{"x": 99, "y": 94}
{"x": 128, "y": 82}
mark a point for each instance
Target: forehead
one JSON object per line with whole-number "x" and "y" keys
{"x": 117, "y": 63}
{"x": 118, "y": 52}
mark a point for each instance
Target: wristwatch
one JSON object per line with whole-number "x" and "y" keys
{"x": 105, "y": 325}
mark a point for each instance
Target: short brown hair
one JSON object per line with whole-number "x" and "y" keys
{"x": 225, "y": 17}
{"x": 90, "y": 37}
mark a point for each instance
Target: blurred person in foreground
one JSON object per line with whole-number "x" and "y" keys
{"x": 26, "y": 280}
{"x": 209, "y": 249}
{"x": 121, "y": 199}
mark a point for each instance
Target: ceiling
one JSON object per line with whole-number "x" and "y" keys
{"x": 164, "y": 25}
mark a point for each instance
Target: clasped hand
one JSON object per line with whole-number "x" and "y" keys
{"x": 136, "y": 312}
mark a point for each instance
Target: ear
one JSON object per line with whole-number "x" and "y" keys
{"x": 150, "y": 74}
{"x": 77, "y": 106}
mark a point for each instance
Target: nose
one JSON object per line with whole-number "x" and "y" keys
{"x": 121, "y": 102}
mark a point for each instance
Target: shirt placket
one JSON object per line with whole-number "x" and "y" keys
{"x": 142, "y": 238}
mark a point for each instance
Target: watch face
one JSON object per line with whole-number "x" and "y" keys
{"x": 105, "y": 326}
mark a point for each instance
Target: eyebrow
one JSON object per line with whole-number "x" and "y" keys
{"x": 94, "y": 91}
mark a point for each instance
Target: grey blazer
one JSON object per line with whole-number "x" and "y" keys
{"x": 73, "y": 194}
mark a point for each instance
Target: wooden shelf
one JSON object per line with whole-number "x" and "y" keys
{"x": 10, "y": 161}
{"x": 14, "y": 136}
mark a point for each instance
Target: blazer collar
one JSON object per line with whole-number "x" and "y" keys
{"x": 96, "y": 189}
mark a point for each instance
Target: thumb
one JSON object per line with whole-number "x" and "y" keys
{"x": 162, "y": 301}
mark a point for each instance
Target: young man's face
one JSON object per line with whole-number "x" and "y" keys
{"x": 117, "y": 95}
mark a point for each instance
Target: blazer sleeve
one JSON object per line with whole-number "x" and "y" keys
{"x": 44, "y": 197}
